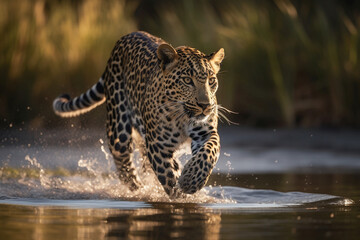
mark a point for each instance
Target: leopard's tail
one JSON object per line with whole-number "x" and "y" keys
{"x": 64, "y": 106}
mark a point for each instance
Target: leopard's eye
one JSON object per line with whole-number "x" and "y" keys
{"x": 188, "y": 81}
{"x": 212, "y": 80}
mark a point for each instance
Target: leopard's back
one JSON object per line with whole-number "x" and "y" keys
{"x": 132, "y": 65}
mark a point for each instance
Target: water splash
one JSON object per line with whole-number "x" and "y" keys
{"x": 96, "y": 180}
{"x": 230, "y": 168}
{"x": 93, "y": 179}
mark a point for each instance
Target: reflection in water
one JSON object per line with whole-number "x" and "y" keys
{"x": 166, "y": 222}
{"x": 174, "y": 221}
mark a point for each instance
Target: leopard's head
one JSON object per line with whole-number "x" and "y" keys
{"x": 190, "y": 79}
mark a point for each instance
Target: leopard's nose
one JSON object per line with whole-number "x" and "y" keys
{"x": 203, "y": 106}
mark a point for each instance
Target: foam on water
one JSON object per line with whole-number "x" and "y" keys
{"x": 95, "y": 184}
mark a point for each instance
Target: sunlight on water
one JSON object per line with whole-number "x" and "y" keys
{"x": 96, "y": 183}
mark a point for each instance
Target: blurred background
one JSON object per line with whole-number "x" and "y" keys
{"x": 289, "y": 63}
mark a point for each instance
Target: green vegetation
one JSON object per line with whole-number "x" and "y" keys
{"x": 288, "y": 63}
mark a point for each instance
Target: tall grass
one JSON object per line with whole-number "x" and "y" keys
{"x": 49, "y": 47}
{"x": 288, "y": 63}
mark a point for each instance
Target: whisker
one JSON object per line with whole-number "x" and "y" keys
{"x": 180, "y": 116}
{"x": 221, "y": 108}
{"x": 168, "y": 104}
{"x": 174, "y": 113}
{"x": 221, "y": 113}
{"x": 222, "y": 116}
{"x": 220, "y": 119}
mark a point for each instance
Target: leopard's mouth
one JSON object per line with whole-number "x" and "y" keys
{"x": 201, "y": 118}
{"x": 196, "y": 113}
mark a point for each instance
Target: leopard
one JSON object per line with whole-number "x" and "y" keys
{"x": 160, "y": 98}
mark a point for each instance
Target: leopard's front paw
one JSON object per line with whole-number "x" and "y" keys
{"x": 176, "y": 193}
{"x": 193, "y": 179}
{"x": 133, "y": 184}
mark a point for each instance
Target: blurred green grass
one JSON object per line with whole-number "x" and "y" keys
{"x": 288, "y": 63}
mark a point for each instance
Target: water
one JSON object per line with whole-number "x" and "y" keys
{"x": 54, "y": 185}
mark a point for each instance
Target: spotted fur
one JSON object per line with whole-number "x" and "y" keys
{"x": 165, "y": 96}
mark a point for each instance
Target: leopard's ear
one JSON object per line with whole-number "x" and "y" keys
{"x": 168, "y": 57}
{"x": 216, "y": 59}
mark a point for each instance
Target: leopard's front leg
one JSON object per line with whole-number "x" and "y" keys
{"x": 205, "y": 147}
{"x": 165, "y": 166}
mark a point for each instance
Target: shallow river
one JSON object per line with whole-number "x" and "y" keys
{"x": 289, "y": 184}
